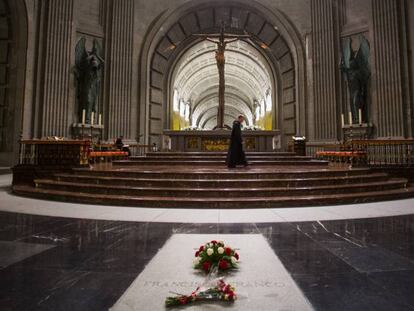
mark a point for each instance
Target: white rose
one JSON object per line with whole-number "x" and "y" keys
{"x": 221, "y": 242}
{"x": 233, "y": 260}
{"x": 196, "y": 261}
{"x": 210, "y": 251}
{"x": 220, "y": 250}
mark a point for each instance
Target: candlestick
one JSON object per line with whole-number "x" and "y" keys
{"x": 83, "y": 116}
{"x": 350, "y": 118}
{"x": 360, "y": 116}
{"x": 92, "y": 115}
{"x": 342, "y": 120}
{"x": 100, "y": 120}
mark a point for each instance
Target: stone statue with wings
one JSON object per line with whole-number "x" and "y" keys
{"x": 355, "y": 66}
{"x": 88, "y": 74}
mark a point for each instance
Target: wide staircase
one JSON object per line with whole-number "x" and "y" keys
{"x": 214, "y": 158}
{"x": 201, "y": 180}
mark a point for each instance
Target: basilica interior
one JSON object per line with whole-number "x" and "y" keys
{"x": 119, "y": 122}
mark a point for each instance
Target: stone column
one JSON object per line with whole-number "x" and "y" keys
{"x": 410, "y": 54}
{"x": 57, "y": 89}
{"x": 119, "y": 87}
{"x": 325, "y": 69}
{"x": 387, "y": 79}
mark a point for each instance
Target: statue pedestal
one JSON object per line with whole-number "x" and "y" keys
{"x": 85, "y": 131}
{"x": 218, "y": 140}
{"x": 357, "y": 131}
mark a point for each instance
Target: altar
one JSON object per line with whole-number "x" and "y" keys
{"x": 218, "y": 140}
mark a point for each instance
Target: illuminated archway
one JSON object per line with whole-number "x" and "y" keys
{"x": 195, "y": 80}
{"x": 171, "y": 36}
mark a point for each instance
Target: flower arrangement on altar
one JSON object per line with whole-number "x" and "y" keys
{"x": 215, "y": 254}
{"x": 220, "y": 292}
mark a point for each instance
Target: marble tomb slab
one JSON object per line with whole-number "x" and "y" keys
{"x": 262, "y": 281}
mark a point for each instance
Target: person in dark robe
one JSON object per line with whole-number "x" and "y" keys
{"x": 119, "y": 144}
{"x": 236, "y": 155}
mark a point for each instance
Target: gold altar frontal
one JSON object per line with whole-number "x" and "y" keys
{"x": 218, "y": 140}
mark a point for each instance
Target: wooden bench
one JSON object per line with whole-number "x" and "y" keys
{"x": 353, "y": 157}
{"x": 106, "y": 156}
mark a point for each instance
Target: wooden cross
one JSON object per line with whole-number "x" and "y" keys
{"x": 221, "y": 40}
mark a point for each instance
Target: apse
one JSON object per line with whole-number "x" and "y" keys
{"x": 195, "y": 82}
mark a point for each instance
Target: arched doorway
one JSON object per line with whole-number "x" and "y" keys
{"x": 13, "y": 43}
{"x": 172, "y": 36}
{"x": 195, "y": 80}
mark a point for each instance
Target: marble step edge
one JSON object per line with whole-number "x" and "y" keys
{"x": 194, "y": 163}
{"x": 394, "y": 182}
{"x": 230, "y": 203}
{"x": 219, "y": 172}
{"x": 162, "y": 153}
{"x": 98, "y": 178}
{"x": 220, "y": 157}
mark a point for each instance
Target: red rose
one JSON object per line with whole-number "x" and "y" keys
{"x": 236, "y": 256}
{"x": 223, "y": 265}
{"x": 197, "y": 253}
{"x": 183, "y": 300}
{"x": 228, "y": 251}
{"x": 201, "y": 248}
{"x": 206, "y": 266}
{"x": 214, "y": 242}
{"x": 231, "y": 295}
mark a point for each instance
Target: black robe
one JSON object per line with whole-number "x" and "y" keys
{"x": 235, "y": 155}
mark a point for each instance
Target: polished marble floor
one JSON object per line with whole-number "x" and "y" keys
{"x": 61, "y": 256}
{"x": 53, "y": 263}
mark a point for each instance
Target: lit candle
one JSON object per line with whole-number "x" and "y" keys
{"x": 360, "y": 116}
{"x": 350, "y": 118}
{"x": 83, "y": 116}
{"x": 92, "y": 115}
{"x": 100, "y": 120}
{"x": 342, "y": 120}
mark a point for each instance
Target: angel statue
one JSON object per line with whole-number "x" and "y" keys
{"x": 356, "y": 72}
{"x": 88, "y": 74}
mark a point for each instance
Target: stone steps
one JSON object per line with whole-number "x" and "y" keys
{"x": 218, "y": 173}
{"x": 202, "y": 180}
{"x": 264, "y": 192}
{"x": 216, "y": 153}
{"x": 187, "y": 162}
{"x": 225, "y": 203}
{"x": 220, "y": 183}
{"x": 217, "y": 158}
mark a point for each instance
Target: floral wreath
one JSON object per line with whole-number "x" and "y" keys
{"x": 216, "y": 254}
{"x": 221, "y": 291}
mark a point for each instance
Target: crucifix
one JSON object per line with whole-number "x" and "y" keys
{"x": 221, "y": 40}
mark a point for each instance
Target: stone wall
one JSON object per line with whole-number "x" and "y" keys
{"x": 55, "y": 27}
{"x": 13, "y": 41}
{"x": 124, "y": 28}
{"x": 410, "y": 35}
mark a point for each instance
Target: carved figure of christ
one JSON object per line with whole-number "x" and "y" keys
{"x": 221, "y": 40}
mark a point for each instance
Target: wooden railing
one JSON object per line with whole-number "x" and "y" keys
{"x": 313, "y": 148}
{"x": 135, "y": 149}
{"x": 386, "y": 152}
{"x": 54, "y": 152}
{"x": 379, "y": 152}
